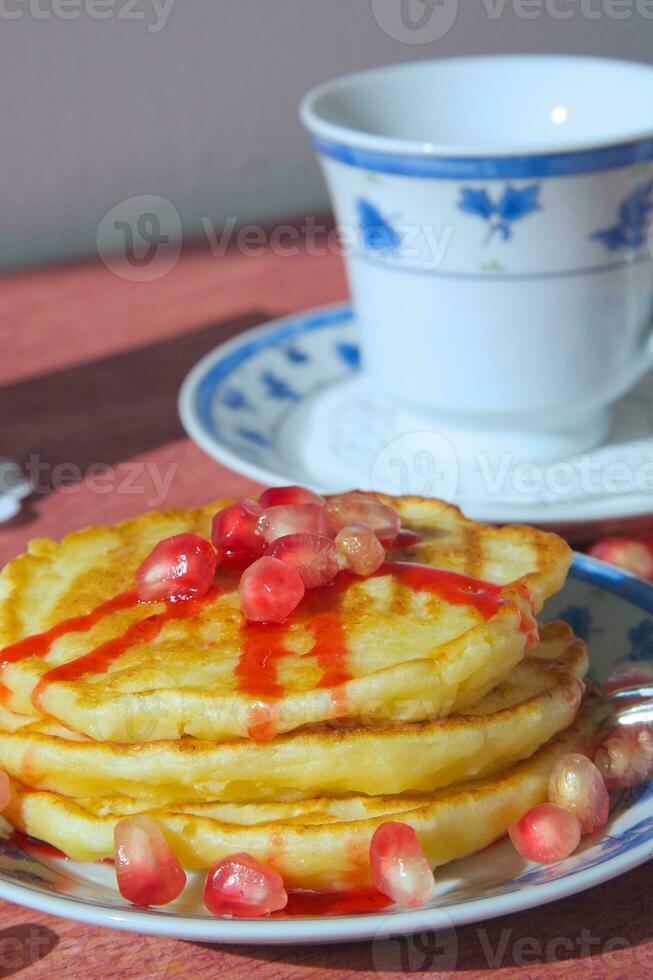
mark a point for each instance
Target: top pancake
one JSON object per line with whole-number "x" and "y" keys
{"x": 347, "y": 650}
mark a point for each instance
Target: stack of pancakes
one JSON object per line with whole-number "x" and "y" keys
{"x": 378, "y": 700}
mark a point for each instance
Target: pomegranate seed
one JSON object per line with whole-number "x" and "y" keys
{"x": 577, "y": 785}
{"x": 240, "y": 885}
{"x": 235, "y": 534}
{"x": 625, "y": 756}
{"x": 179, "y": 567}
{"x": 275, "y": 496}
{"x": 5, "y": 790}
{"x": 313, "y": 555}
{"x": 360, "y": 549}
{"x": 358, "y": 508}
{"x": 269, "y": 590}
{"x": 546, "y": 833}
{"x": 628, "y": 675}
{"x": 147, "y": 870}
{"x": 634, "y": 556}
{"x": 284, "y": 519}
{"x": 398, "y": 865}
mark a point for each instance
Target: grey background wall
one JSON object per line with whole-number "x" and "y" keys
{"x": 198, "y": 102}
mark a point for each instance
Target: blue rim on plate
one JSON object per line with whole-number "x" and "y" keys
{"x": 614, "y": 612}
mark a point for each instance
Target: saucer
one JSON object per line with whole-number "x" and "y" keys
{"x": 287, "y": 402}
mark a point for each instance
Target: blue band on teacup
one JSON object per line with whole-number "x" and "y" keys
{"x": 490, "y": 168}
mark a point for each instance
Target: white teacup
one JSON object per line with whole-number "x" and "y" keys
{"x": 496, "y": 215}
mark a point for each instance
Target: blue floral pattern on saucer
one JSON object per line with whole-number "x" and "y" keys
{"x": 246, "y": 396}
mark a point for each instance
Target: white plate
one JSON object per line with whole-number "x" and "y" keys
{"x": 286, "y": 403}
{"x": 614, "y": 612}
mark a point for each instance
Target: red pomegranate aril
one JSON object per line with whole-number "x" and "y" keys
{"x": 147, "y": 870}
{"x": 313, "y": 555}
{"x": 5, "y": 790}
{"x": 359, "y": 508}
{"x": 628, "y": 675}
{"x": 236, "y": 536}
{"x": 578, "y": 786}
{"x": 270, "y": 590}
{"x": 360, "y": 550}
{"x": 284, "y": 519}
{"x": 624, "y": 756}
{"x": 242, "y": 886}
{"x": 398, "y": 865}
{"x": 633, "y": 556}
{"x": 546, "y": 833}
{"x": 179, "y": 567}
{"x": 276, "y": 496}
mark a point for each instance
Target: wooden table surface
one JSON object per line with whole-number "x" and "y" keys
{"x": 89, "y": 374}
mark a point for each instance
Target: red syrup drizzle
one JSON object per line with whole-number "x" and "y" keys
{"x": 406, "y": 539}
{"x": 256, "y": 673}
{"x": 32, "y": 845}
{"x": 99, "y": 660}
{"x": 263, "y": 647}
{"x": 330, "y": 648}
{"x": 452, "y": 587}
{"x": 353, "y": 901}
{"x": 41, "y": 643}
{"x": 264, "y": 644}
{"x": 461, "y": 590}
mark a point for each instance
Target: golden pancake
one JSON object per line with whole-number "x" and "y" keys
{"x": 151, "y": 671}
{"x": 320, "y": 843}
{"x": 538, "y": 700}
